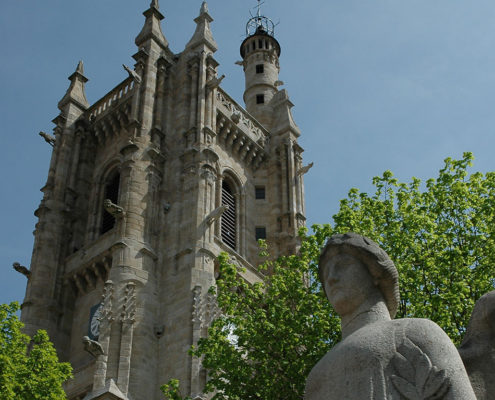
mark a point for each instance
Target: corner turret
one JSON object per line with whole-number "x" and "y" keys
{"x": 260, "y": 52}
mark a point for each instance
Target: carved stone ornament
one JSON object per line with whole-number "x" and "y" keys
{"x": 133, "y": 74}
{"x": 129, "y": 305}
{"x": 216, "y": 214}
{"x": 113, "y": 209}
{"x": 205, "y": 308}
{"x": 416, "y": 377}
{"x": 93, "y": 347}
{"x": 21, "y": 269}
{"x": 254, "y": 130}
{"x": 214, "y": 82}
{"x": 236, "y": 117}
{"x": 48, "y": 138}
{"x": 304, "y": 170}
{"x": 208, "y": 174}
{"x": 106, "y": 308}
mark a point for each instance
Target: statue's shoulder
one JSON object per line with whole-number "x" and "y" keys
{"x": 425, "y": 334}
{"x": 422, "y": 346}
{"x": 419, "y": 327}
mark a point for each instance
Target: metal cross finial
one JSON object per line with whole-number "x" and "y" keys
{"x": 259, "y": 22}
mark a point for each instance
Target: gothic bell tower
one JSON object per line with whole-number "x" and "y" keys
{"x": 146, "y": 187}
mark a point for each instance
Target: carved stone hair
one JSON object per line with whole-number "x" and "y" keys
{"x": 379, "y": 264}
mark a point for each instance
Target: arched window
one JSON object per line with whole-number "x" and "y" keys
{"x": 111, "y": 192}
{"x": 229, "y": 217}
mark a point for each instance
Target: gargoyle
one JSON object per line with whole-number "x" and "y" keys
{"x": 92, "y": 347}
{"x": 216, "y": 214}
{"x": 213, "y": 83}
{"x": 133, "y": 74}
{"x": 303, "y": 170}
{"x": 22, "y": 269}
{"x": 48, "y": 138}
{"x": 113, "y": 209}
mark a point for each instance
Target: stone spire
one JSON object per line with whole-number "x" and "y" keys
{"x": 203, "y": 34}
{"x": 152, "y": 28}
{"x": 76, "y": 92}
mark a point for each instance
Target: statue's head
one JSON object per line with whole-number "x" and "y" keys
{"x": 368, "y": 266}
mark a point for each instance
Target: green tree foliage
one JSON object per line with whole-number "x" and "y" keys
{"x": 440, "y": 235}
{"x": 29, "y": 369}
{"x": 442, "y": 239}
{"x": 271, "y": 333}
{"x": 171, "y": 390}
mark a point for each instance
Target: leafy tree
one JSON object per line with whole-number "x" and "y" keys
{"x": 171, "y": 390}
{"x": 442, "y": 239}
{"x": 440, "y": 235}
{"x": 29, "y": 369}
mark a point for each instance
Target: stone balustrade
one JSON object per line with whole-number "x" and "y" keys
{"x": 245, "y": 122}
{"x": 121, "y": 91}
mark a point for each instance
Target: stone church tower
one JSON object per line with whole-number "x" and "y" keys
{"x": 145, "y": 188}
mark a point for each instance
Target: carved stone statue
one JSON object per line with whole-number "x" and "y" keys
{"x": 478, "y": 348}
{"x": 379, "y": 358}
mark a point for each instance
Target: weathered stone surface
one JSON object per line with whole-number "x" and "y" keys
{"x": 379, "y": 358}
{"x": 109, "y": 392}
{"x": 133, "y": 210}
{"x": 478, "y": 348}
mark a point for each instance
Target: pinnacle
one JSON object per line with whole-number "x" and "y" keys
{"x": 80, "y": 68}
{"x": 152, "y": 28}
{"x": 203, "y": 34}
{"x": 76, "y": 93}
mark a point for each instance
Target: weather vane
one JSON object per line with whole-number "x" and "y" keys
{"x": 259, "y": 23}
{"x": 259, "y": 8}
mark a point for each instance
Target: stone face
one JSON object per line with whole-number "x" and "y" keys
{"x": 379, "y": 358}
{"x": 478, "y": 347}
{"x": 131, "y": 219}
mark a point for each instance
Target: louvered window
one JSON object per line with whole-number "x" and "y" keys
{"x": 229, "y": 221}
{"x": 112, "y": 193}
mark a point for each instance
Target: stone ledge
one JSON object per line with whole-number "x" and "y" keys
{"x": 109, "y": 392}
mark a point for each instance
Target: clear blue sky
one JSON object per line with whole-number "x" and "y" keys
{"x": 377, "y": 85}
